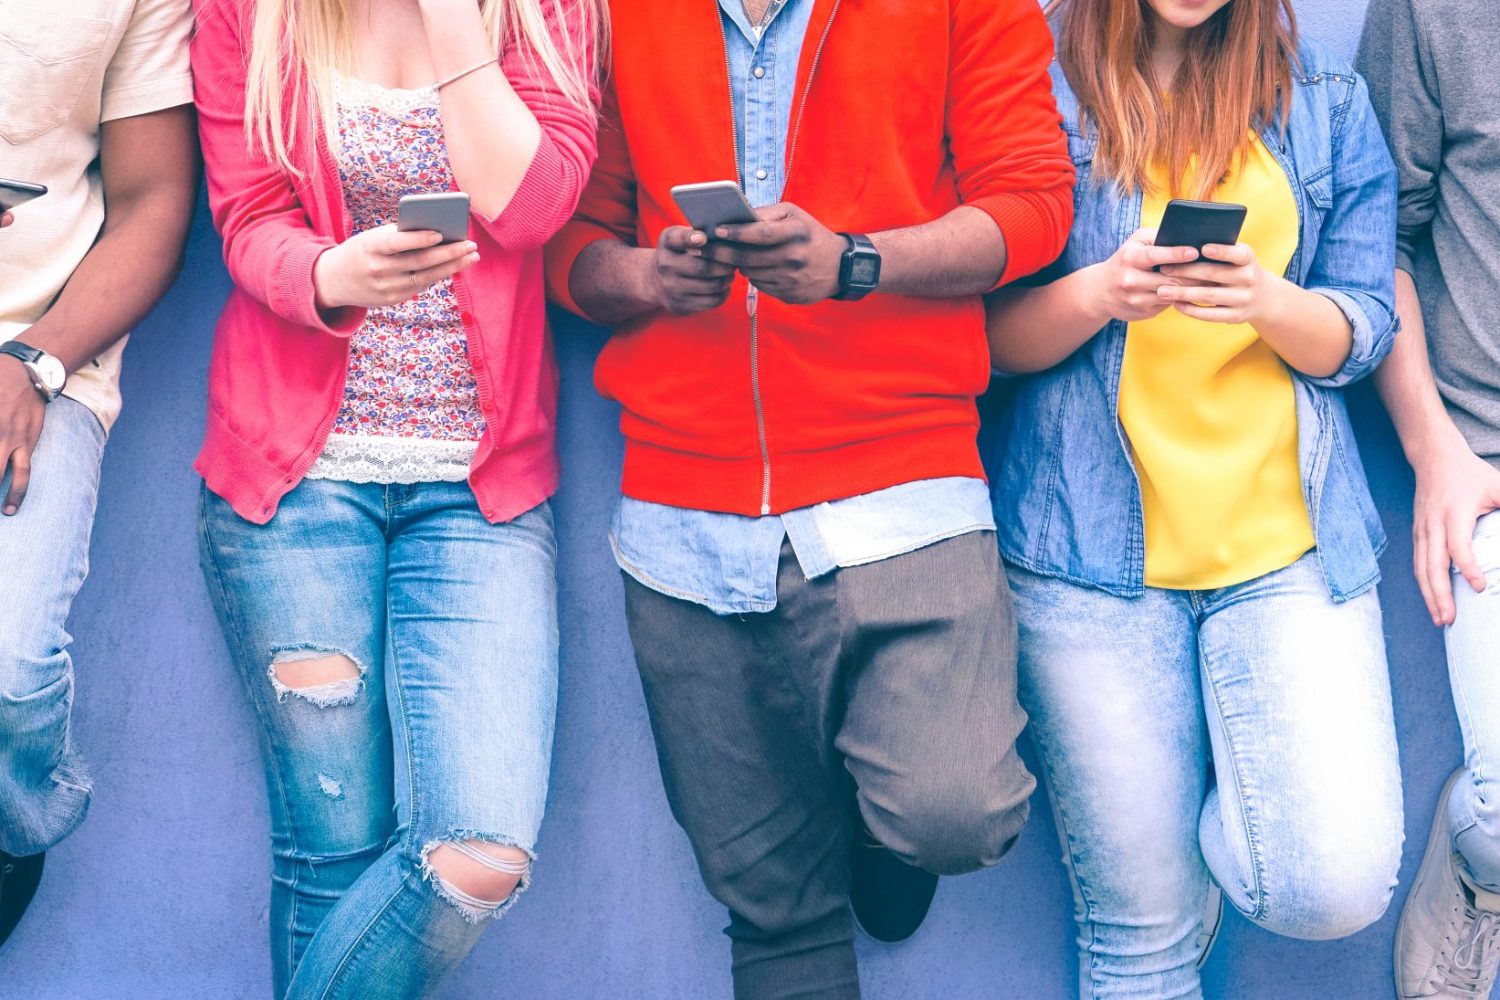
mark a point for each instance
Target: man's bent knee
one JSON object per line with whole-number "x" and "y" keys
{"x": 953, "y": 835}
{"x": 477, "y": 876}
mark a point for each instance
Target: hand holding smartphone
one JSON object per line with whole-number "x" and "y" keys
{"x": 442, "y": 212}
{"x": 13, "y": 193}
{"x": 713, "y": 204}
{"x": 1196, "y": 224}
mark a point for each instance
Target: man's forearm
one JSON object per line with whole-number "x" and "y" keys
{"x": 118, "y": 282}
{"x": 610, "y": 282}
{"x": 149, "y": 168}
{"x": 962, "y": 253}
{"x": 1405, "y": 384}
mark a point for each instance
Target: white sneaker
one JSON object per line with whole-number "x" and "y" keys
{"x": 1213, "y": 919}
{"x": 1448, "y": 943}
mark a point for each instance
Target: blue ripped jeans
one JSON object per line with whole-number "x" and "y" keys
{"x": 1283, "y": 692}
{"x": 44, "y": 557}
{"x": 445, "y": 737}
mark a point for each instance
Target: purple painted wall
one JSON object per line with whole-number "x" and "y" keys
{"x": 162, "y": 894}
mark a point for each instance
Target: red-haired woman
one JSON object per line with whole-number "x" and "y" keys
{"x": 1191, "y": 540}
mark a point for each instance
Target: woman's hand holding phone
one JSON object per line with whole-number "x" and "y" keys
{"x": 1127, "y": 285}
{"x": 1235, "y": 289}
{"x": 383, "y": 267}
{"x": 6, "y": 219}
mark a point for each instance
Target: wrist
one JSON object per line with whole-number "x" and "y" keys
{"x": 1435, "y": 444}
{"x": 325, "y": 282}
{"x": 1093, "y": 293}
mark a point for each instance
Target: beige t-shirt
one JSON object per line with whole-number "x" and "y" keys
{"x": 65, "y": 67}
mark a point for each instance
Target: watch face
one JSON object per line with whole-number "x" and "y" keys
{"x": 51, "y": 372}
{"x": 864, "y": 271}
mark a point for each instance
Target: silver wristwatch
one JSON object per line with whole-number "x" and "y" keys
{"x": 47, "y": 373}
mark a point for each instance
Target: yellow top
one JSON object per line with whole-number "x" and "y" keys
{"x": 1211, "y": 416}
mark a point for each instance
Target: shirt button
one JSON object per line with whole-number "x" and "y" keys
{"x": 761, "y": 174}
{"x": 760, "y": 71}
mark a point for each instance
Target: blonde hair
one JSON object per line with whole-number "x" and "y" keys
{"x": 308, "y": 41}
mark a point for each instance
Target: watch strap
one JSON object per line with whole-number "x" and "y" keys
{"x": 30, "y": 357}
{"x": 24, "y": 353}
{"x": 860, "y": 245}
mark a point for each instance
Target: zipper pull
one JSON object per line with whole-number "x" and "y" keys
{"x": 752, "y": 301}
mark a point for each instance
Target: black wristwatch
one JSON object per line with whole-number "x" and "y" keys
{"x": 859, "y": 270}
{"x": 47, "y": 373}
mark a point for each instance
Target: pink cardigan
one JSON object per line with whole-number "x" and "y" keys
{"x": 277, "y": 374}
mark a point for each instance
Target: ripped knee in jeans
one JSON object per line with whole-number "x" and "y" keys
{"x": 326, "y": 678}
{"x": 478, "y": 874}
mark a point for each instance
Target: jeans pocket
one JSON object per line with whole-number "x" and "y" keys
{"x": 46, "y": 58}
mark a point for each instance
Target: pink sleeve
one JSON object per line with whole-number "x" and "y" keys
{"x": 554, "y": 182}
{"x": 270, "y": 246}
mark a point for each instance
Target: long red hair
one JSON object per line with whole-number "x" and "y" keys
{"x": 1236, "y": 76}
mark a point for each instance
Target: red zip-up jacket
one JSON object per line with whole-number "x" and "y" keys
{"x": 277, "y": 374}
{"x": 903, "y": 111}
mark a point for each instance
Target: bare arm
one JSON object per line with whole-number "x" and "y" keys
{"x": 962, "y": 253}
{"x": 1032, "y": 328}
{"x": 1454, "y": 486}
{"x": 492, "y": 135}
{"x": 149, "y": 166}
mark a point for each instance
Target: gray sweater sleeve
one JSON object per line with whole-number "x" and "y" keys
{"x": 1394, "y": 59}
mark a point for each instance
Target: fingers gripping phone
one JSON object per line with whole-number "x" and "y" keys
{"x": 713, "y": 204}
{"x": 1198, "y": 223}
{"x": 443, "y": 212}
{"x": 13, "y": 193}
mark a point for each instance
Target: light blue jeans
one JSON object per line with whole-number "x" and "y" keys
{"x": 1243, "y": 734}
{"x": 44, "y": 557}
{"x": 445, "y": 737}
{"x": 1474, "y": 672}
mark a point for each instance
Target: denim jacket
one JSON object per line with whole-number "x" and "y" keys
{"x": 1067, "y": 499}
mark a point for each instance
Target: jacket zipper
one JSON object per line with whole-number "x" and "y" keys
{"x": 752, "y": 295}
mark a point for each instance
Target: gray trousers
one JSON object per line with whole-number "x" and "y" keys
{"x": 890, "y": 685}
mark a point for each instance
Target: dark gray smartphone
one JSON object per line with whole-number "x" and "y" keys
{"x": 13, "y": 193}
{"x": 445, "y": 212}
{"x": 713, "y": 204}
{"x": 1198, "y": 223}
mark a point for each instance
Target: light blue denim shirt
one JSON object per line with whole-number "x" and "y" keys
{"x": 1066, "y": 494}
{"x": 727, "y": 562}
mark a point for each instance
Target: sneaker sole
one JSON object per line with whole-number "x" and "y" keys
{"x": 1436, "y": 842}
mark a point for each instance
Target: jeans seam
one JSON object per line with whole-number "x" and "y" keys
{"x": 1066, "y": 837}
{"x": 206, "y": 533}
{"x": 1252, "y": 842}
{"x": 360, "y": 938}
{"x": 1461, "y": 703}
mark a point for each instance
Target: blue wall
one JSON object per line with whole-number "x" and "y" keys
{"x": 163, "y": 892}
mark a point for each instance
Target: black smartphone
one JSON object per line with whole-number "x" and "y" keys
{"x": 1198, "y": 223}
{"x": 445, "y": 212}
{"x": 714, "y": 204}
{"x": 13, "y": 193}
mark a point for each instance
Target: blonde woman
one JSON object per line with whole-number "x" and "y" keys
{"x": 375, "y": 528}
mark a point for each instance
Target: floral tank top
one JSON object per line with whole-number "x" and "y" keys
{"x": 410, "y": 410}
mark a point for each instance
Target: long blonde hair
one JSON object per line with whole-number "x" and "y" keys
{"x": 302, "y": 43}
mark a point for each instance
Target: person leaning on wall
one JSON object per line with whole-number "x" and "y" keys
{"x": 1432, "y": 79}
{"x": 95, "y": 107}
{"x": 818, "y": 612}
{"x": 376, "y": 530}
{"x": 1187, "y": 526}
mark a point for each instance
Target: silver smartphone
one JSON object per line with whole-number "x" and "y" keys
{"x": 445, "y": 212}
{"x": 13, "y": 193}
{"x": 713, "y": 204}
